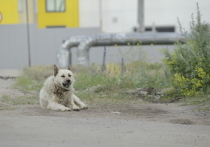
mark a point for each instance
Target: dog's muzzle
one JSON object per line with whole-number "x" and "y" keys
{"x": 67, "y": 83}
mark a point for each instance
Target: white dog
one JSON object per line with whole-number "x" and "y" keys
{"x": 57, "y": 93}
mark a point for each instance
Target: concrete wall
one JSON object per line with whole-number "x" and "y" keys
{"x": 121, "y": 15}
{"x": 13, "y": 47}
{"x": 44, "y": 44}
{"x": 166, "y": 12}
{"x": 148, "y": 53}
{"x": 116, "y": 15}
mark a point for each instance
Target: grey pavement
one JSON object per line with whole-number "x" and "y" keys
{"x": 54, "y": 131}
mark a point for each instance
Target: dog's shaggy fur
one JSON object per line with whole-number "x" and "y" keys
{"x": 57, "y": 93}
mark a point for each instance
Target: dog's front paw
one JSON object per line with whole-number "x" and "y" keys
{"x": 65, "y": 109}
{"x": 76, "y": 108}
{"x": 84, "y": 106}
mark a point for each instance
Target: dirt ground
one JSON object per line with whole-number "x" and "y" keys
{"x": 103, "y": 124}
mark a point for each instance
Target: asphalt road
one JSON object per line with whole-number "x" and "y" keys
{"x": 53, "y": 131}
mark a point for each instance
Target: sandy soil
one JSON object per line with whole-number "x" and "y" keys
{"x": 103, "y": 124}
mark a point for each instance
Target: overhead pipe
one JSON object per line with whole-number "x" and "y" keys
{"x": 72, "y": 41}
{"x": 123, "y": 39}
{"x": 84, "y": 43}
{"x": 64, "y": 53}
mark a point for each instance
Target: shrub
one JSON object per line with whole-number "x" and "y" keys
{"x": 189, "y": 63}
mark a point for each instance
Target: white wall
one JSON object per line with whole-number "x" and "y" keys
{"x": 117, "y": 15}
{"x": 121, "y": 15}
{"x": 165, "y": 12}
{"x": 89, "y": 13}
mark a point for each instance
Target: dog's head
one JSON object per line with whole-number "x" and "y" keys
{"x": 64, "y": 78}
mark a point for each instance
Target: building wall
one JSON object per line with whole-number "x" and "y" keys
{"x": 22, "y": 11}
{"x": 115, "y": 15}
{"x": 89, "y": 14}
{"x": 166, "y": 12}
{"x": 111, "y": 15}
{"x": 14, "y": 12}
{"x": 8, "y": 10}
{"x": 69, "y": 18}
{"x": 121, "y": 15}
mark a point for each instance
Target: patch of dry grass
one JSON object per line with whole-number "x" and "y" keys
{"x": 19, "y": 100}
{"x": 114, "y": 89}
{"x": 114, "y": 82}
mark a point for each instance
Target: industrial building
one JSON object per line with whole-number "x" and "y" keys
{"x": 35, "y": 29}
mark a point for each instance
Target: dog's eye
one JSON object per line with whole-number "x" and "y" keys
{"x": 69, "y": 75}
{"x": 63, "y": 76}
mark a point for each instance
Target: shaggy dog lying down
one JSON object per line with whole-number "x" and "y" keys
{"x": 57, "y": 93}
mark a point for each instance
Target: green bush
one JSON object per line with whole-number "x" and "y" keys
{"x": 189, "y": 63}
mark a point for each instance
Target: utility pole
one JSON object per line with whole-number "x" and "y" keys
{"x": 28, "y": 34}
{"x": 140, "y": 15}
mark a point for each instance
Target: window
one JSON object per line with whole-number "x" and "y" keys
{"x": 161, "y": 29}
{"x": 20, "y": 6}
{"x": 165, "y": 29}
{"x": 55, "y": 5}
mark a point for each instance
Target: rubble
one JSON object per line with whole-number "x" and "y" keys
{"x": 148, "y": 92}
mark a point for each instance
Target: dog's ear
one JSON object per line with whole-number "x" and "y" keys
{"x": 69, "y": 67}
{"x": 55, "y": 70}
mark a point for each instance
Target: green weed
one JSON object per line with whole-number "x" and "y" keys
{"x": 20, "y": 100}
{"x": 189, "y": 63}
{"x": 26, "y": 83}
{"x": 5, "y": 96}
{"x": 5, "y": 107}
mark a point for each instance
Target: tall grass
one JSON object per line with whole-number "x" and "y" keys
{"x": 136, "y": 75}
{"x": 115, "y": 82}
{"x": 32, "y": 78}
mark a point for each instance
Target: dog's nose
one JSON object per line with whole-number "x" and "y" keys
{"x": 68, "y": 81}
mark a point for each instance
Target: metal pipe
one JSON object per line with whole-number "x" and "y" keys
{"x": 84, "y": 43}
{"x": 72, "y": 41}
{"x": 123, "y": 39}
{"x": 64, "y": 53}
